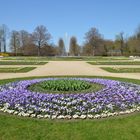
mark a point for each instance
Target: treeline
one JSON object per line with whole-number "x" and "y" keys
{"x": 38, "y": 43}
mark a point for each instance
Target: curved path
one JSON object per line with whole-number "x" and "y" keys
{"x": 57, "y": 68}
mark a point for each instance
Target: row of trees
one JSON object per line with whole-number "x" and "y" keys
{"x": 95, "y": 44}
{"x": 38, "y": 43}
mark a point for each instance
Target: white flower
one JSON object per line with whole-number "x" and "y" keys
{"x": 105, "y": 112}
{"x": 103, "y": 115}
{"x": 30, "y": 111}
{"x": 74, "y": 102}
{"x": 6, "y": 105}
{"x": 10, "y": 87}
{"x": 131, "y": 110}
{"x": 10, "y": 111}
{"x": 17, "y": 105}
{"x": 43, "y": 110}
{"x": 2, "y": 109}
{"x": 117, "y": 113}
{"x": 67, "y": 117}
{"x": 84, "y": 103}
{"x": 20, "y": 114}
{"x": 54, "y": 117}
{"x": 83, "y": 117}
{"x": 23, "y": 114}
{"x": 69, "y": 103}
{"x": 138, "y": 108}
{"x": 110, "y": 106}
{"x": 127, "y": 111}
{"x": 5, "y": 110}
{"x": 33, "y": 115}
{"x": 90, "y": 116}
{"x": 40, "y": 116}
{"x": 97, "y": 116}
{"x": 20, "y": 108}
{"x": 26, "y": 114}
{"x": 121, "y": 113}
{"x": 47, "y": 116}
{"x": 110, "y": 114}
{"x": 16, "y": 112}
{"x": 75, "y": 116}
{"x": 60, "y": 117}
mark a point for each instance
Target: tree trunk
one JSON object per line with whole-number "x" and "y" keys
{"x": 122, "y": 44}
{"x": 0, "y": 46}
{"x": 38, "y": 51}
{"x": 4, "y": 46}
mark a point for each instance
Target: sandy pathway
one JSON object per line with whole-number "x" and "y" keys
{"x": 70, "y": 68}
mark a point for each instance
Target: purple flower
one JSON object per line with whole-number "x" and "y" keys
{"x": 115, "y": 97}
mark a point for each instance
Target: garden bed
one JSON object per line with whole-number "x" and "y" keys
{"x": 116, "y": 98}
{"x": 120, "y": 127}
{"x": 16, "y": 69}
{"x": 115, "y": 63}
{"x": 121, "y": 70}
{"x": 22, "y": 63}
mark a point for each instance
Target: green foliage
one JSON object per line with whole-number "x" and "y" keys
{"x": 74, "y": 58}
{"x": 22, "y": 63}
{"x": 16, "y": 69}
{"x": 64, "y": 86}
{"x": 121, "y": 70}
{"x": 115, "y": 63}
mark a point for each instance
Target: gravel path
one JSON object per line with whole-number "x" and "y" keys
{"x": 54, "y": 68}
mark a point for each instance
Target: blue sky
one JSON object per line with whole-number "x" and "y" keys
{"x": 74, "y": 17}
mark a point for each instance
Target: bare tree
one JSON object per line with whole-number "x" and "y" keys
{"x": 120, "y": 39}
{"x": 61, "y": 47}
{"x": 133, "y": 43}
{"x": 41, "y": 36}
{"x": 94, "y": 39}
{"x": 15, "y": 42}
{"x": 74, "y": 48}
{"x": 137, "y": 33}
{"x": 0, "y": 46}
{"x": 25, "y": 40}
{"x": 87, "y": 50}
{"x": 1, "y": 41}
{"x": 3, "y": 36}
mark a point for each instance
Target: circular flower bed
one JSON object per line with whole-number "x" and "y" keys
{"x": 114, "y": 99}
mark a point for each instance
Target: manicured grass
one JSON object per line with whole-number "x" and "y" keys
{"x": 16, "y": 69}
{"x": 126, "y": 127}
{"x": 22, "y": 63}
{"x": 78, "y": 58}
{"x": 121, "y": 128}
{"x": 121, "y": 70}
{"x": 115, "y": 63}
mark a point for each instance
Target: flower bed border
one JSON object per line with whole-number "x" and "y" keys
{"x": 75, "y": 116}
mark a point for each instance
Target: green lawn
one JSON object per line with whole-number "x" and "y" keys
{"x": 126, "y": 127}
{"x": 16, "y": 69}
{"x": 79, "y": 58}
{"x": 121, "y": 70}
{"x": 115, "y": 63}
{"x": 22, "y": 63}
{"x": 121, "y": 128}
